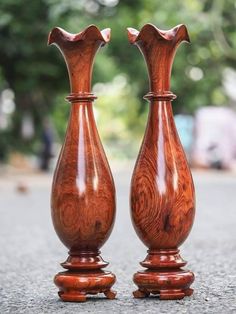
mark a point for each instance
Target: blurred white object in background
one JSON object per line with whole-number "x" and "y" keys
{"x": 27, "y": 127}
{"x": 215, "y": 138}
{"x": 7, "y": 107}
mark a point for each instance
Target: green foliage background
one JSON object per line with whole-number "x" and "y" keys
{"x": 38, "y": 75}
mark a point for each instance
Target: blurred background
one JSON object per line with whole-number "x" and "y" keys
{"x": 33, "y": 120}
{"x": 34, "y": 81}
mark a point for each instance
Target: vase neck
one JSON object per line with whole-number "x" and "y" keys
{"x": 79, "y": 61}
{"x": 79, "y": 51}
{"x": 158, "y": 48}
{"x": 159, "y": 58}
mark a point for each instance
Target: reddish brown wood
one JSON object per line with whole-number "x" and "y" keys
{"x": 162, "y": 190}
{"x": 83, "y": 192}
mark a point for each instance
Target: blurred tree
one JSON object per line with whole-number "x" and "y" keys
{"x": 37, "y": 76}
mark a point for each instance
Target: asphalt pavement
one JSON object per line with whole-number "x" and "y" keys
{"x": 31, "y": 252}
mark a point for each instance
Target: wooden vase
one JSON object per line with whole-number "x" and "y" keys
{"x": 83, "y": 192}
{"x": 162, "y": 191}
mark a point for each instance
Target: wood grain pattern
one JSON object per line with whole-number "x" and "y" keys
{"x": 162, "y": 192}
{"x": 83, "y": 192}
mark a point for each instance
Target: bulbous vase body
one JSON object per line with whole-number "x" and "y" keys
{"x": 162, "y": 191}
{"x": 83, "y": 193}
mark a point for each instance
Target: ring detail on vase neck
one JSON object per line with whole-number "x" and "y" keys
{"x": 81, "y": 97}
{"x": 160, "y": 95}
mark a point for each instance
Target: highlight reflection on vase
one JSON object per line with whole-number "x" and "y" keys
{"x": 162, "y": 192}
{"x": 83, "y": 192}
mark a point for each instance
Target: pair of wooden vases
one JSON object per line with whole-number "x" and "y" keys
{"x": 83, "y": 193}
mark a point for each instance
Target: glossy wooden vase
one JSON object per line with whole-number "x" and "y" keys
{"x": 162, "y": 190}
{"x": 83, "y": 193}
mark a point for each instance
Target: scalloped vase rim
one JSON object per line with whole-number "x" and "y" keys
{"x": 104, "y": 35}
{"x": 134, "y": 35}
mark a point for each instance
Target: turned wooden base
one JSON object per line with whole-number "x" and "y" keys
{"x": 84, "y": 276}
{"x": 169, "y": 285}
{"x": 164, "y": 277}
{"x": 75, "y": 286}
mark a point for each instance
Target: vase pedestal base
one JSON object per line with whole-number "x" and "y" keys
{"x": 74, "y": 286}
{"x": 164, "y": 276}
{"x": 167, "y": 284}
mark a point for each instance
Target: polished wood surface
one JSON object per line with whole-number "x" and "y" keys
{"x": 162, "y": 191}
{"x": 83, "y": 192}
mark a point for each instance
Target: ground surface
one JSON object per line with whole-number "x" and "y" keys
{"x": 31, "y": 251}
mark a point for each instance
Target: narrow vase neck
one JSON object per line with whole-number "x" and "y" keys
{"x": 159, "y": 58}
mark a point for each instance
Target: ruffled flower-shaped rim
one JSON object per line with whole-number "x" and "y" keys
{"x": 91, "y": 32}
{"x": 178, "y": 33}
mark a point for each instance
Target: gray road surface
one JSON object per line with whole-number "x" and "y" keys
{"x": 31, "y": 252}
